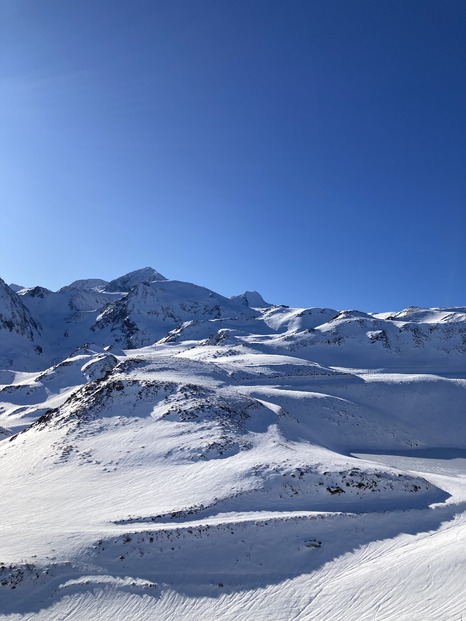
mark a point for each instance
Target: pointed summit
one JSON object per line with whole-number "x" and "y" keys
{"x": 85, "y": 285}
{"x": 128, "y": 281}
{"x": 252, "y": 299}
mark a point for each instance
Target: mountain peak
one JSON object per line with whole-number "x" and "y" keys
{"x": 87, "y": 283}
{"x": 14, "y": 287}
{"x": 128, "y": 281}
{"x": 252, "y": 299}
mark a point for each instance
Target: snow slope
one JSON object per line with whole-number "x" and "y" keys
{"x": 232, "y": 461}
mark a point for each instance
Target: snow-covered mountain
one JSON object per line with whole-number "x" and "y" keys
{"x": 15, "y": 288}
{"x": 128, "y": 281}
{"x": 19, "y": 332}
{"x": 150, "y": 310}
{"x": 85, "y": 285}
{"x": 252, "y": 299}
{"x": 170, "y": 453}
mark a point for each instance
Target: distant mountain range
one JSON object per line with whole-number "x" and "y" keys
{"x": 39, "y": 327}
{"x": 167, "y": 452}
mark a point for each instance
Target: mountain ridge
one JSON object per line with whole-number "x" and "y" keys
{"x": 178, "y": 444}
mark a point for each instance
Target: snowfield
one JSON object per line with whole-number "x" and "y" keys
{"x": 168, "y": 453}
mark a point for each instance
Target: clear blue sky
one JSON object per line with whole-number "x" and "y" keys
{"x": 313, "y": 150}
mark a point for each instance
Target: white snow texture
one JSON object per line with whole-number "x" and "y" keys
{"x": 168, "y": 453}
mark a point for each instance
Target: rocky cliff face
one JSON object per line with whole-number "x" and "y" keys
{"x": 14, "y": 316}
{"x": 21, "y": 342}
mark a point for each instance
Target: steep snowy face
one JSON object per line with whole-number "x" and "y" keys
{"x": 65, "y": 316}
{"x": 14, "y": 316}
{"x": 128, "y": 281}
{"x": 150, "y": 311}
{"x": 20, "y": 334}
{"x": 61, "y": 307}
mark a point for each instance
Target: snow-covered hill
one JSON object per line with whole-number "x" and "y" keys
{"x": 170, "y": 453}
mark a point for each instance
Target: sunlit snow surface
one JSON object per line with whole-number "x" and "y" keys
{"x": 280, "y": 463}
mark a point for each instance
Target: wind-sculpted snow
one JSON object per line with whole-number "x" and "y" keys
{"x": 175, "y": 454}
{"x": 30, "y": 395}
{"x": 428, "y": 315}
{"x": 359, "y": 340}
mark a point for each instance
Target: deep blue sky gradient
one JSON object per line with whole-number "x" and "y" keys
{"x": 313, "y": 150}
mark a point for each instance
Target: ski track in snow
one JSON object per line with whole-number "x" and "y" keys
{"x": 234, "y": 463}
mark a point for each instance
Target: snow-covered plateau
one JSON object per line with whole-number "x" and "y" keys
{"x": 168, "y": 453}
